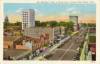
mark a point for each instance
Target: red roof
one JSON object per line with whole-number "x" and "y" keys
{"x": 93, "y": 48}
{"x": 21, "y": 47}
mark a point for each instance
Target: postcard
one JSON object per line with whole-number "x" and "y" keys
{"x": 50, "y": 31}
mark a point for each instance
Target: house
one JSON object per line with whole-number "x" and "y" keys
{"x": 92, "y": 48}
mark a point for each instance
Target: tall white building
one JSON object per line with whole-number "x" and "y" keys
{"x": 74, "y": 19}
{"x": 28, "y": 18}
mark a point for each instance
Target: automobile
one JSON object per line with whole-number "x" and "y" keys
{"x": 61, "y": 35}
{"x": 42, "y": 59}
{"x": 34, "y": 54}
{"x": 50, "y": 45}
{"x": 55, "y": 41}
{"x": 76, "y": 58}
{"x": 48, "y": 56}
{"x": 44, "y": 49}
{"x": 41, "y": 50}
{"x": 59, "y": 39}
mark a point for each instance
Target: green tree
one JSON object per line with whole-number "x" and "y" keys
{"x": 18, "y": 23}
{"x": 91, "y": 25}
{"x": 70, "y": 25}
{"x": 53, "y": 23}
{"x": 37, "y": 23}
{"x": 6, "y": 22}
{"x": 88, "y": 24}
{"x": 43, "y": 24}
{"x": 63, "y": 24}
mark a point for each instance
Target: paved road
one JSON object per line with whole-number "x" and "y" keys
{"x": 67, "y": 50}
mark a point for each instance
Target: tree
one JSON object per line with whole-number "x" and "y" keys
{"x": 43, "y": 24}
{"x": 91, "y": 25}
{"x": 70, "y": 25}
{"x": 18, "y": 23}
{"x": 88, "y": 24}
{"x": 63, "y": 24}
{"x": 37, "y": 23}
{"x": 53, "y": 24}
{"x": 6, "y": 22}
{"x": 6, "y": 19}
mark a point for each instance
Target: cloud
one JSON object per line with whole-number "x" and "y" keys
{"x": 77, "y": 12}
{"x": 71, "y": 11}
{"x": 19, "y": 10}
{"x": 38, "y": 13}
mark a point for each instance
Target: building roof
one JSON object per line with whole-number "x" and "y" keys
{"x": 8, "y": 41}
{"x": 15, "y": 53}
{"x": 10, "y": 38}
{"x": 6, "y": 46}
{"x": 93, "y": 47}
{"x": 22, "y": 47}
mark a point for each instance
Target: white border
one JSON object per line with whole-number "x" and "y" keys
{"x": 52, "y": 62}
{"x": 1, "y": 30}
{"x": 32, "y": 1}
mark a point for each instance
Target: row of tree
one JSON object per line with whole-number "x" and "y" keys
{"x": 88, "y": 24}
{"x": 11, "y": 26}
{"x": 68, "y": 25}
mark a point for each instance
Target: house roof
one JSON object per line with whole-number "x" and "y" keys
{"x": 93, "y": 47}
{"x": 6, "y": 46}
{"x": 15, "y": 53}
{"x": 22, "y": 47}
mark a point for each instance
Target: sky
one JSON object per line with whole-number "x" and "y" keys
{"x": 52, "y": 9}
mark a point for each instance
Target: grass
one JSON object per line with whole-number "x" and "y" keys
{"x": 92, "y": 39}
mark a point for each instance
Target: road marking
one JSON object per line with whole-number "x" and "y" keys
{"x": 66, "y": 51}
{"x": 70, "y": 41}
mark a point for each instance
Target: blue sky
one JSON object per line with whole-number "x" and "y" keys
{"x": 52, "y": 9}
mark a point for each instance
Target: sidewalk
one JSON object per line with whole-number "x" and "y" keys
{"x": 49, "y": 50}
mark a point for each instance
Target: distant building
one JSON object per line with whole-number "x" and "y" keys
{"x": 38, "y": 31}
{"x": 28, "y": 18}
{"x": 92, "y": 29}
{"x": 75, "y": 20}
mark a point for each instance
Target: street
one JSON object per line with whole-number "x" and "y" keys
{"x": 68, "y": 50}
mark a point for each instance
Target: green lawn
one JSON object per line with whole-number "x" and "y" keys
{"x": 92, "y": 39}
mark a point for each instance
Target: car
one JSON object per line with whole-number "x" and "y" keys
{"x": 50, "y": 45}
{"x": 41, "y": 50}
{"x": 34, "y": 54}
{"x": 59, "y": 39}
